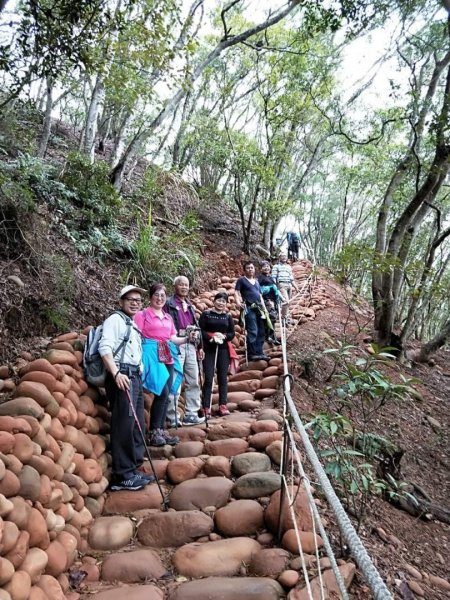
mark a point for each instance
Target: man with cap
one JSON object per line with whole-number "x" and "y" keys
{"x": 121, "y": 352}
{"x": 182, "y": 312}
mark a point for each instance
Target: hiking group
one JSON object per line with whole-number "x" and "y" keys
{"x": 158, "y": 347}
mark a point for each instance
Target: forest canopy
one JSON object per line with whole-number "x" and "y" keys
{"x": 253, "y": 106}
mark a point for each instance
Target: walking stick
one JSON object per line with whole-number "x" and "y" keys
{"x": 165, "y": 501}
{"x": 242, "y": 320}
{"x": 200, "y": 379}
{"x": 214, "y": 371}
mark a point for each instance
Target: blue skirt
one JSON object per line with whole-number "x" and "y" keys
{"x": 155, "y": 373}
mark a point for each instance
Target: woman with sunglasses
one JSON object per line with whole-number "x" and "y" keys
{"x": 162, "y": 373}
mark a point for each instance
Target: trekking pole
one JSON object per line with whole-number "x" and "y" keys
{"x": 242, "y": 319}
{"x": 200, "y": 379}
{"x": 214, "y": 371}
{"x": 165, "y": 501}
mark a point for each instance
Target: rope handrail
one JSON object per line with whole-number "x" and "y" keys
{"x": 357, "y": 549}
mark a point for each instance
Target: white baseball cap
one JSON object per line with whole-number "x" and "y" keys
{"x": 128, "y": 288}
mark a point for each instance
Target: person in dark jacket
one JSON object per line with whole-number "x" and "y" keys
{"x": 182, "y": 312}
{"x": 272, "y": 298}
{"x": 217, "y": 328}
{"x": 249, "y": 299}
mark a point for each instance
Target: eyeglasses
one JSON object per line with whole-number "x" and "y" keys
{"x": 134, "y": 300}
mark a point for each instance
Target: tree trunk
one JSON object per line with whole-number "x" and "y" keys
{"x": 119, "y": 141}
{"x": 382, "y": 293}
{"x": 47, "y": 127}
{"x": 385, "y": 285}
{"x": 434, "y": 344}
{"x": 90, "y": 128}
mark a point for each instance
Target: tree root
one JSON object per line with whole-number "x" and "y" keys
{"x": 420, "y": 505}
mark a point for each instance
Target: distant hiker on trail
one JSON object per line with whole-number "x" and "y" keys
{"x": 249, "y": 299}
{"x": 162, "y": 373}
{"x": 217, "y": 327}
{"x": 293, "y": 240}
{"x": 121, "y": 351}
{"x": 182, "y": 312}
{"x": 282, "y": 274}
{"x": 272, "y": 298}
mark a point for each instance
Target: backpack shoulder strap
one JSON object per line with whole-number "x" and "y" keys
{"x": 130, "y": 325}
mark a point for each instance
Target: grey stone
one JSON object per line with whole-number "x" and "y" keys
{"x": 250, "y": 462}
{"x": 231, "y": 588}
{"x": 256, "y": 485}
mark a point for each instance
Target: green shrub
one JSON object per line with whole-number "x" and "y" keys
{"x": 61, "y": 281}
{"x": 20, "y": 127}
{"x": 161, "y": 257}
{"x": 344, "y": 433}
{"x": 95, "y": 198}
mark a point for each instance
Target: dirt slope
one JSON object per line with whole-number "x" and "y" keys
{"x": 422, "y": 543}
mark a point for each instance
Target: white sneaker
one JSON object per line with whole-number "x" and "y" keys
{"x": 190, "y": 420}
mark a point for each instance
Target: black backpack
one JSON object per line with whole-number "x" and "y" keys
{"x": 94, "y": 369}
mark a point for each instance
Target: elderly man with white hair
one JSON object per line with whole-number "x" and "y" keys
{"x": 182, "y": 312}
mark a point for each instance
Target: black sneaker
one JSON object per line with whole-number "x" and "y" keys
{"x": 135, "y": 482}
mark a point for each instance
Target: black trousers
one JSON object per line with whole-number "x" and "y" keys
{"x": 127, "y": 447}
{"x": 223, "y": 362}
{"x": 161, "y": 403}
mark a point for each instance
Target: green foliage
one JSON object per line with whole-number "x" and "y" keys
{"x": 353, "y": 478}
{"x": 353, "y": 264}
{"x": 396, "y": 490}
{"x": 15, "y": 185}
{"x": 92, "y": 193}
{"x": 54, "y": 37}
{"x": 344, "y": 433}
{"x": 85, "y": 207}
{"x": 19, "y": 128}
{"x": 361, "y": 381}
{"x": 17, "y": 202}
{"x": 61, "y": 281}
{"x": 161, "y": 257}
{"x": 148, "y": 188}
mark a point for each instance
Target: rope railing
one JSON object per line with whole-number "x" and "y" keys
{"x": 357, "y": 549}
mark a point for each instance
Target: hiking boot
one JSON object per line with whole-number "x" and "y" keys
{"x": 157, "y": 438}
{"x": 172, "y": 440}
{"x": 223, "y": 410}
{"x": 135, "y": 482}
{"x": 205, "y": 412}
{"x": 190, "y": 420}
